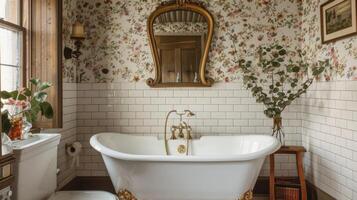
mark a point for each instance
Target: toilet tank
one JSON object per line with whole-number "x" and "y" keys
{"x": 35, "y": 167}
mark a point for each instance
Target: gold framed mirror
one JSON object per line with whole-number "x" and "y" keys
{"x": 180, "y": 35}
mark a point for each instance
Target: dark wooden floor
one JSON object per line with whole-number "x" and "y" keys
{"x": 261, "y": 189}
{"x": 90, "y": 183}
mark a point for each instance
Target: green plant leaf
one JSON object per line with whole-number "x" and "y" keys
{"x": 46, "y": 110}
{"x": 14, "y": 94}
{"x": 35, "y": 81}
{"x": 296, "y": 69}
{"x": 35, "y": 109}
{"x": 27, "y": 92}
{"x": 40, "y": 96}
{"x": 281, "y": 94}
{"x": 5, "y": 95}
{"x": 282, "y": 52}
{"x": 275, "y": 64}
{"x": 44, "y": 85}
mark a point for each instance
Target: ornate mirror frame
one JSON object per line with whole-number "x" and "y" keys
{"x": 172, "y": 6}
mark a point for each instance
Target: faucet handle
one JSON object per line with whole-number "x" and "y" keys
{"x": 173, "y": 130}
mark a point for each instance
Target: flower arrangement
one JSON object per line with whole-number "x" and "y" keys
{"x": 22, "y": 107}
{"x": 277, "y": 81}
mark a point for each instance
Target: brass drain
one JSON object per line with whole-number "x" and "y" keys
{"x": 181, "y": 149}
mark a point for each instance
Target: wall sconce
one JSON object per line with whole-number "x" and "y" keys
{"x": 77, "y": 35}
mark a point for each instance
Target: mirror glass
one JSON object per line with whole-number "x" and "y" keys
{"x": 180, "y": 38}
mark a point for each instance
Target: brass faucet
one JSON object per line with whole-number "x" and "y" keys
{"x": 182, "y": 126}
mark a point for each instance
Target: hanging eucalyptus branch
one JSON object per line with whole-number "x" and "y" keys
{"x": 276, "y": 80}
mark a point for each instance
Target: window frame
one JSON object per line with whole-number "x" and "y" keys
{"x": 21, "y": 30}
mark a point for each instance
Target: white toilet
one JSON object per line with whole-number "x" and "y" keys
{"x": 35, "y": 172}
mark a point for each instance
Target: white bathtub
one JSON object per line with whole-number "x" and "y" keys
{"x": 217, "y": 167}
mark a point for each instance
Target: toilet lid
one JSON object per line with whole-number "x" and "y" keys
{"x": 82, "y": 195}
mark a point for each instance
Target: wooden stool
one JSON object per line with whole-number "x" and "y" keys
{"x": 298, "y": 151}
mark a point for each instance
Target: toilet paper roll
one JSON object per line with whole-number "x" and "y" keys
{"x": 73, "y": 151}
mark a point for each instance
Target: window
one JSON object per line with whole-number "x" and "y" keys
{"x": 10, "y": 58}
{"x": 11, "y": 45}
{"x": 10, "y": 11}
{"x": 30, "y": 47}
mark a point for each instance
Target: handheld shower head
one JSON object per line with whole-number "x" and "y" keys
{"x": 187, "y": 113}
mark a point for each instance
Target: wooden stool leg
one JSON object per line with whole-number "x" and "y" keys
{"x": 272, "y": 178}
{"x": 300, "y": 169}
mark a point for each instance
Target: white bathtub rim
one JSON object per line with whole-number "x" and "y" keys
{"x": 172, "y": 158}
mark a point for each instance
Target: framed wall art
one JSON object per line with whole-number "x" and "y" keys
{"x": 338, "y": 19}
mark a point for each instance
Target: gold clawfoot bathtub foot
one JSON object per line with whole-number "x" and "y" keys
{"x": 126, "y": 195}
{"x": 247, "y": 196}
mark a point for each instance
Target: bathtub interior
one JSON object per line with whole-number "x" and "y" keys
{"x": 132, "y": 144}
{"x": 232, "y": 145}
{"x": 205, "y": 145}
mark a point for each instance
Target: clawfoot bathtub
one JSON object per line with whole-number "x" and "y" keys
{"x": 216, "y": 168}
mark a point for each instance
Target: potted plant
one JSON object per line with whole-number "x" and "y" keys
{"x": 276, "y": 80}
{"x": 20, "y": 108}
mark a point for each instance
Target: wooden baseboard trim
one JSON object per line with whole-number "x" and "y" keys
{"x": 261, "y": 188}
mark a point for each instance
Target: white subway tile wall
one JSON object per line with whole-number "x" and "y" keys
{"x": 134, "y": 108}
{"x": 326, "y": 118}
{"x": 329, "y": 132}
{"x": 68, "y": 133}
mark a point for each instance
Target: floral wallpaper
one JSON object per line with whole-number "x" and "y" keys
{"x": 69, "y": 16}
{"x": 117, "y": 48}
{"x": 342, "y": 54}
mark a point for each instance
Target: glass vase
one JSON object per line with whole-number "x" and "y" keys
{"x": 278, "y": 130}
{"x": 16, "y": 128}
{"x": 6, "y": 144}
{"x": 26, "y": 127}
